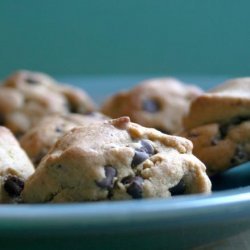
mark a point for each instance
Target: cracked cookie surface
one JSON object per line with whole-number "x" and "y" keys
{"x": 159, "y": 103}
{"x": 15, "y": 167}
{"x": 218, "y": 125}
{"x": 27, "y": 96}
{"x": 116, "y": 160}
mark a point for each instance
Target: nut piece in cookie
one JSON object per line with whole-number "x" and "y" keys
{"x": 158, "y": 103}
{"x": 218, "y": 124}
{"x": 26, "y": 96}
{"x": 116, "y": 160}
{"x": 15, "y": 167}
{"x": 39, "y": 139}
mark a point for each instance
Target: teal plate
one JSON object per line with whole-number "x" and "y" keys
{"x": 175, "y": 223}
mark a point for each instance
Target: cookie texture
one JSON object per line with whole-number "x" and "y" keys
{"x": 26, "y": 96}
{"x": 218, "y": 125}
{"x": 39, "y": 139}
{"x": 116, "y": 160}
{"x": 158, "y": 103}
{"x": 15, "y": 167}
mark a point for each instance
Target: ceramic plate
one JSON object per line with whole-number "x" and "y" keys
{"x": 174, "y": 223}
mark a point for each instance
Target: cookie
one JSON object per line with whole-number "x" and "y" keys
{"x": 221, "y": 104}
{"x": 39, "y": 139}
{"x": 15, "y": 167}
{"x": 26, "y": 96}
{"x": 218, "y": 125}
{"x": 116, "y": 160}
{"x": 157, "y": 103}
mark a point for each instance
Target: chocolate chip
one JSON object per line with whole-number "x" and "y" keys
{"x": 151, "y": 106}
{"x": 139, "y": 157}
{"x": 178, "y": 189}
{"x": 142, "y": 153}
{"x": 110, "y": 173}
{"x": 13, "y": 186}
{"x": 30, "y": 80}
{"x": 147, "y": 147}
{"x": 134, "y": 186}
{"x": 58, "y": 129}
{"x": 240, "y": 156}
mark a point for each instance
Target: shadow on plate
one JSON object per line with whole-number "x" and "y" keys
{"x": 234, "y": 178}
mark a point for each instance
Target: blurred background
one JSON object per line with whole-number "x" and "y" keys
{"x": 113, "y": 37}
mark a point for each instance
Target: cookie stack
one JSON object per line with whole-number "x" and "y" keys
{"x": 160, "y": 139}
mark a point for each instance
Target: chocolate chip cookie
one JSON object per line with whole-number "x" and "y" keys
{"x": 15, "y": 167}
{"x": 116, "y": 160}
{"x": 39, "y": 139}
{"x": 218, "y": 125}
{"x": 157, "y": 103}
{"x": 27, "y": 96}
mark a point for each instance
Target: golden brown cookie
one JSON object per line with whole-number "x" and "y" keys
{"x": 159, "y": 103}
{"x": 15, "y": 167}
{"x": 116, "y": 160}
{"x": 218, "y": 124}
{"x": 26, "y": 96}
{"x": 39, "y": 139}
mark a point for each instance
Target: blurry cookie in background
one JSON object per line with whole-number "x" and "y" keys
{"x": 26, "y": 96}
{"x": 218, "y": 124}
{"x": 39, "y": 139}
{"x": 159, "y": 103}
{"x": 15, "y": 167}
{"x": 116, "y": 160}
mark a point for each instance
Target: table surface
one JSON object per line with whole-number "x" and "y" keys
{"x": 240, "y": 241}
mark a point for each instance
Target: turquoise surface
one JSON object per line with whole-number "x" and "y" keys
{"x": 125, "y": 37}
{"x": 176, "y": 223}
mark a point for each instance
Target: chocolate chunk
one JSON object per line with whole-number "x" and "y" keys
{"x": 13, "y": 186}
{"x": 110, "y": 173}
{"x": 151, "y": 106}
{"x": 134, "y": 186}
{"x": 240, "y": 156}
{"x": 139, "y": 157}
{"x": 58, "y": 129}
{"x": 30, "y": 80}
{"x": 147, "y": 147}
{"x": 142, "y": 153}
{"x": 178, "y": 189}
